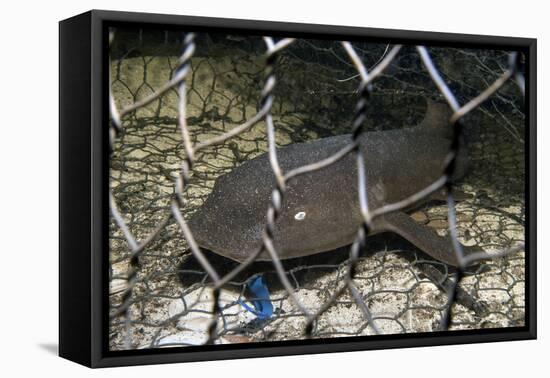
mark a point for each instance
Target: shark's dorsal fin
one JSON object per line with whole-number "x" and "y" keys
{"x": 436, "y": 119}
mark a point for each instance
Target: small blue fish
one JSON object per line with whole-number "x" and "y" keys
{"x": 263, "y": 308}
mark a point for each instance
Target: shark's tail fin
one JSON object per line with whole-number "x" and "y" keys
{"x": 436, "y": 119}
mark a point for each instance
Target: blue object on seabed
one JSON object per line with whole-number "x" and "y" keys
{"x": 263, "y": 308}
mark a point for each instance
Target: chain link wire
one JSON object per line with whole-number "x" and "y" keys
{"x": 178, "y": 123}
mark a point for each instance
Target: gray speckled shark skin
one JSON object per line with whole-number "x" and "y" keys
{"x": 398, "y": 162}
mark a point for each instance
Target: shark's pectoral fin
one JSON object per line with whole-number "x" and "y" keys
{"x": 423, "y": 237}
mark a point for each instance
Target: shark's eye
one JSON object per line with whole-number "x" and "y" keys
{"x": 300, "y": 216}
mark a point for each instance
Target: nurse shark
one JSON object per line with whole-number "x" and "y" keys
{"x": 320, "y": 209}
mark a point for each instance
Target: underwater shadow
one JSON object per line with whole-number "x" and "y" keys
{"x": 300, "y": 270}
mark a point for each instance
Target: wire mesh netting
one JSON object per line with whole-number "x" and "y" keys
{"x": 188, "y": 109}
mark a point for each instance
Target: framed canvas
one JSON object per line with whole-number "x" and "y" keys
{"x": 234, "y": 188}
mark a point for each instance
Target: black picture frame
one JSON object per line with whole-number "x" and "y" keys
{"x": 84, "y": 212}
